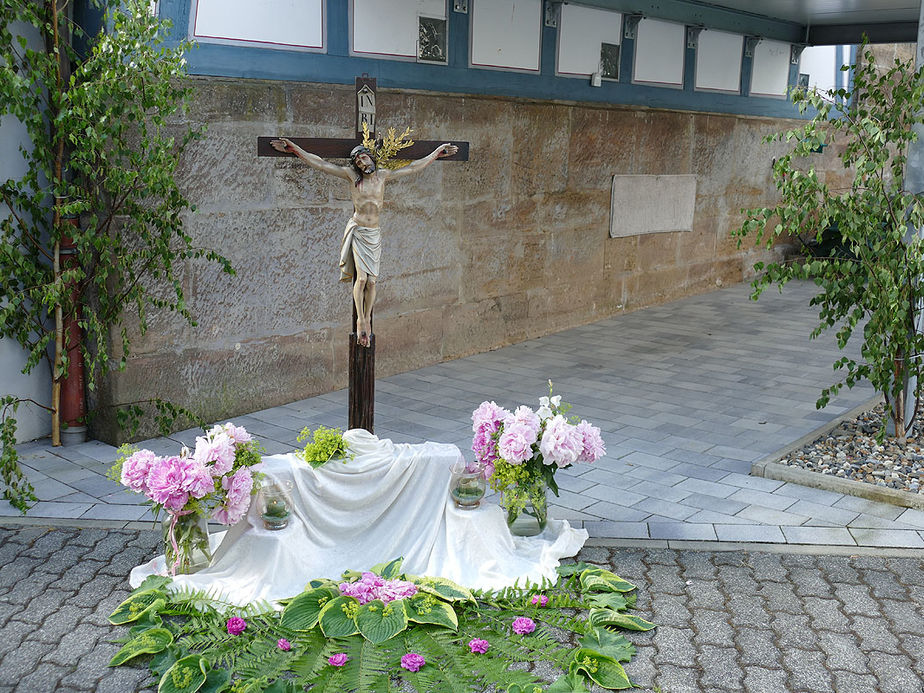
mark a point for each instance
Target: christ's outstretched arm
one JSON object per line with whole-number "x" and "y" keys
{"x": 445, "y": 149}
{"x": 286, "y": 145}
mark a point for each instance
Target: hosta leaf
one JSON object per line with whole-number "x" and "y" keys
{"x": 389, "y": 570}
{"x": 568, "y": 569}
{"x": 599, "y": 580}
{"x": 572, "y": 682}
{"x": 379, "y": 622}
{"x": 187, "y": 675}
{"x": 608, "y": 600}
{"x": 607, "y": 617}
{"x": 446, "y": 589}
{"x": 303, "y": 612}
{"x": 425, "y": 608}
{"x": 609, "y": 644}
{"x": 216, "y": 681}
{"x": 150, "y": 641}
{"x": 334, "y": 619}
{"x": 604, "y": 671}
{"x": 132, "y": 608}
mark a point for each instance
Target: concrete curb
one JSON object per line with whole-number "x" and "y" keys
{"x": 770, "y": 468}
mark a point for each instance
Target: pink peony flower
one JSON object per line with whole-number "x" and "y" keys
{"x": 516, "y": 442}
{"x": 561, "y": 442}
{"x": 593, "y": 447}
{"x": 283, "y": 644}
{"x": 236, "y": 625}
{"x": 526, "y": 416}
{"x": 523, "y": 625}
{"x": 337, "y": 660}
{"x": 479, "y": 646}
{"x": 412, "y": 661}
{"x": 237, "y": 434}
{"x": 169, "y": 480}
{"x": 488, "y": 412}
{"x": 237, "y": 501}
{"x": 217, "y": 451}
{"x": 136, "y": 468}
{"x": 484, "y": 444}
{"x": 488, "y": 470}
{"x": 539, "y": 600}
{"x": 201, "y": 482}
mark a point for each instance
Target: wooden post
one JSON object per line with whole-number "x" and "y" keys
{"x": 362, "y": 379}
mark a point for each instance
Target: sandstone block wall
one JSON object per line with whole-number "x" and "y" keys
{"x": 510, "y": 245}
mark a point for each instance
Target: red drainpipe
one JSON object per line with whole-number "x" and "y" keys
{"x": 73, "y": 399}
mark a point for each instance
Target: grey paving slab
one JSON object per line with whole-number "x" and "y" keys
{"x": 750, "y": 533}
{"x": 682, "y": 530}
{"x": 891, "y": 537}
{"x": 833, "y": 536}
{"x": 687, "y": 394}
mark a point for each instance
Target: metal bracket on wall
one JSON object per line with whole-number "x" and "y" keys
{"x": 460, "y": 6}
{"x": 795, "y": 52}
{"x": 693, "y": 33}
{"x": 631, "y": 25}
{"x": 750, "y": 43}
{"x": 552, "y": 13}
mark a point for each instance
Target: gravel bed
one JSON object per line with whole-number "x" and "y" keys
{"x": 851, "y": 451}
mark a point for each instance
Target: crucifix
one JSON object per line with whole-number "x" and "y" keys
{"x": 361, "y": 246}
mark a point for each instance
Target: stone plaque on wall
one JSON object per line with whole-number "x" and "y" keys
{"x": 652, "y": 204}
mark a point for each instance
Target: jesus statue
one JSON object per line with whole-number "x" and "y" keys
{"x": 361, "y": 248}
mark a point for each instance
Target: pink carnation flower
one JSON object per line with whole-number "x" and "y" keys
{"x": 593, "y": 447}
{"x": 479, "y": 646}
{"x": 168, "y": 482}
{"x": 561, "y": 442}
{"x": 283, "y": 644}
{"x": 136, "y": 468}
{"x": 412, "y": 661}
{"x": 539, "y": 600}
{"x": 523, "y": 625}
{"x": 236, "y": 625}
{"x": 337, "y": 660}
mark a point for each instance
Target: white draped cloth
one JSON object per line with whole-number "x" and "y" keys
{"x": 389, "y": 500}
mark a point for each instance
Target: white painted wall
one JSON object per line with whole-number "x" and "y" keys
{"x": 32, "y": 421}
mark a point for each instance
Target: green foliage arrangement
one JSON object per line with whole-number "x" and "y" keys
{"x": 100, "y": 171}
{"x": 874, "y": 272}
{"x": 323, "y": 640}
{"x": 325, "y": 445}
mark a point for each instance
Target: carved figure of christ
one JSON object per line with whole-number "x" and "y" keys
{"x": 360, "y": 250}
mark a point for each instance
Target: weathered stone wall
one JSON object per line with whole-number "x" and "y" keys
{"x": 510, "y": 245}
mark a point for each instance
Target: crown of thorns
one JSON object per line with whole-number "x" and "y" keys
{"x": 360, "y": 149}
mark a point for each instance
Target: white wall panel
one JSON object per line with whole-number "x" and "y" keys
{"x": 659, "y": 49}
{"x": 506, "y": 33}
{"x": 718, "y": 61}
{"x": 770, "y": 70}
{"x": 285, "y": 22}
{"x": 390, "y": 27}
{"x": 581, "y": 31}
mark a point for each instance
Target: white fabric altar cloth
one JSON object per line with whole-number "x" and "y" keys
{"x": 390, "y": 500}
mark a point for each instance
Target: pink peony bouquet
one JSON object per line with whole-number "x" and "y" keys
{"x": 215, "y": 481}
{"x": 522, "y": 450}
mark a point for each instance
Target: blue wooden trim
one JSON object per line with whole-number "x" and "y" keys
{"x": 626, "y": 56}
{"x": 689, "y": 65}
{"x": 337, "y": 67}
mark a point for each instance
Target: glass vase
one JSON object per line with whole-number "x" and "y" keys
{"x": 467, "y": 485}
{"x": 527, "y": 508}
{"x": 275, "y": 504}
{"x": 190, "y": 535}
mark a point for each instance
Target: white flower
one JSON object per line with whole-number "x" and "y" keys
{"x": 556, "y": 401}
{"x": 543, "y": 411}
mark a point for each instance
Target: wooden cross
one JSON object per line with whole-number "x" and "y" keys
{"x": 362, "y": 359}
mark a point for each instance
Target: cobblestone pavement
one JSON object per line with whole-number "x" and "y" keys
{"x": 731, "y": 620}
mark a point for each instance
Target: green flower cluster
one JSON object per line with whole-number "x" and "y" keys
{"x": 324, "y": 445}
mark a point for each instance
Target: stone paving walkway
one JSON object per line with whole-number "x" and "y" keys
{"x": 688, "y": 394}
{"x": 736, "y": 621}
